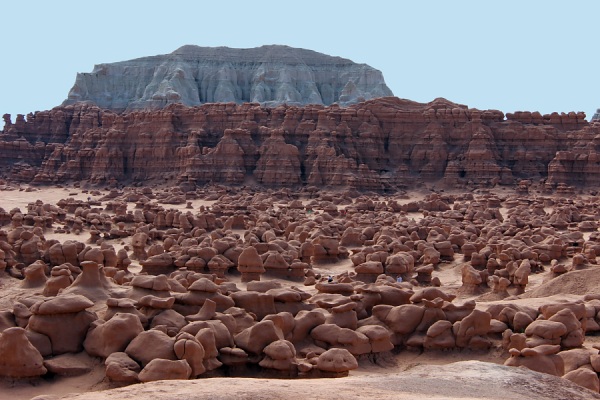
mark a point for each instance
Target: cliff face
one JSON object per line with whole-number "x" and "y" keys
{"x": 379, "y": 144}
{"x": 192, "y": 75}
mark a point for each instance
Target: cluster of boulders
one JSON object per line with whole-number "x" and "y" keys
{"x": 183, "y": 316}
{"x": 550, "y": 339}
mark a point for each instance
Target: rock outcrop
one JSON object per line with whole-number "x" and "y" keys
{"x": 192, "y": 75}
{"x": 381, "y": 144}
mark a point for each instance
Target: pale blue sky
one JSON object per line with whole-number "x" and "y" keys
{"x": 507, "y": 55}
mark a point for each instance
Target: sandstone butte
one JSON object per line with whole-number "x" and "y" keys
{"x": 192, "y": 75}
{"x": 382, "y": 144}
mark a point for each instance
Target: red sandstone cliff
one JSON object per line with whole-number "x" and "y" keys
{"x": 378, "y": 144}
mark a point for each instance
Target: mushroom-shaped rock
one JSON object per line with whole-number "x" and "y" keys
{"x": 198, "y": 292}
{"x": 91, "y": 283}
{"x": 160, "y": 369}
{"x": 337, "y": 361}
{"x": 18, "y": 357}
{"x": 344, "y": 316}
{"x": 105, "y": 338}
{"x": 250, "y": 264}
{"x": 61, "y": 305}
{"x": 424, "y": 274}
{"x": 35, "y": 275}
{"x": 60, "y": 278}
{"x": 64, "y": 319}
{"x": 380, "y": 338}
{"x": 279, "y": 355}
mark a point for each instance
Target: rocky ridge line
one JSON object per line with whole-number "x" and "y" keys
{"x": 382, "y": 144}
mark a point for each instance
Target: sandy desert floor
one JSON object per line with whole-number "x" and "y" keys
{"x": 400, "y": 374}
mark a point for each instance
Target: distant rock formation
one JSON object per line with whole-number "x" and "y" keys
{"x": 381, "y": 144}
{"x": 596, "y": 116}
{"x": 192, "y": 75}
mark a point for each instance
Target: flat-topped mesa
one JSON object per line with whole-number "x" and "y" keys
{"x": 193, "y": 75}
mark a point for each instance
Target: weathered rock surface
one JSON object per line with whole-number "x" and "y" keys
{"x": 380, "y": 144}
{"x": 467, "y": 379}
{"x": 192, "y": 75}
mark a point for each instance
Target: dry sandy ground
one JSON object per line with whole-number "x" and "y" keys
{"x": 467, "y": 380}
{"x": 401, "y": 375}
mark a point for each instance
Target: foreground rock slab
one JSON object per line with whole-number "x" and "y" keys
{"x": 464, "y": 380}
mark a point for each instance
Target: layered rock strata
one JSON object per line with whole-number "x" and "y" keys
{"x": 382, "y": 144}
{"x": 192, "y": 75}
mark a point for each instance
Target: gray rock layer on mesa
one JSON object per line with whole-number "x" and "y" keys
{"x": 193, "y": 75}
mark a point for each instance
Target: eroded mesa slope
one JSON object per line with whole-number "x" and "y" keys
{"x": 193, "y": 75}
{"x": 381, "y": 144}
